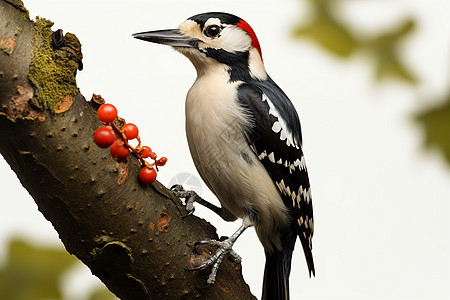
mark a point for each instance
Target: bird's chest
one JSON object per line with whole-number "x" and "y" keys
{"x": 214, "y": 117}
{"x": 215, "y": 125}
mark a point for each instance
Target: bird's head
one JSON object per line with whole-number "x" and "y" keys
{"x": 215, "y": 40}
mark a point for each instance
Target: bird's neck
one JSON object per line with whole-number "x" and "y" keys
{"x": 239, "y": 66}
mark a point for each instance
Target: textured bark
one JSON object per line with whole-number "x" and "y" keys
{"x": 131, "y": 235}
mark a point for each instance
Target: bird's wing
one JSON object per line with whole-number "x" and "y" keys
{"x": 275, "y": 139}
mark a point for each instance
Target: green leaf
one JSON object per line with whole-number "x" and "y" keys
{"x": 327, "y": 32}
{"x": 437, "y": 128}
{"x": 389, "y": 66}
{"x": 33, "y": 273}
{"x": 334, "y": 36}
{"x": 385, "y": 50}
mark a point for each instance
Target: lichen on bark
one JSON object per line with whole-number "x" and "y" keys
{"x": 51, "y": 71}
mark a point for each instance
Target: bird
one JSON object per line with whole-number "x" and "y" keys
{"x": 244, "y": 136}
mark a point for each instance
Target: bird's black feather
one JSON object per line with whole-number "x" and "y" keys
{"x": 233, "y": 60}
{"x": 263, "y": 139}
{"x": 278, "y": 268}
{"x": 225, "y": 18}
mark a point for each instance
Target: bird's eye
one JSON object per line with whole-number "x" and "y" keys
{"x": 212, "y": 30}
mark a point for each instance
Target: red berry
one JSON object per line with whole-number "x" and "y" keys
{"x": 119, "y": 150}
{"x": 145, "y": 151}
{"x": 107, "y": 113}
{"x": 147, "y": 175}
{"x": 162, "y": 161}
{"x": 153, "y": 155}
{"x": 130, "y": 130}
{"x": 104, "y": 136}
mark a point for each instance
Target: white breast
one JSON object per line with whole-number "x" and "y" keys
{"x": 215, "y": 126}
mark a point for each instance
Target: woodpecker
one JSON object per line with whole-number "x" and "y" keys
{"x": 245, "y": 140}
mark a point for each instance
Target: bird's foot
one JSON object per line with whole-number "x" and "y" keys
{"x": 225, "y": 247}
{"x": 189, "y": 198}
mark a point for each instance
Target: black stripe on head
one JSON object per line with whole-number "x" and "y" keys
{"x": 224, "y": 18}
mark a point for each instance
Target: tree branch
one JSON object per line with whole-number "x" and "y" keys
{"x": 132, "y": 236}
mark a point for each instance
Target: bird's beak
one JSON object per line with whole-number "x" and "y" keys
{"x": 170, "y": 37}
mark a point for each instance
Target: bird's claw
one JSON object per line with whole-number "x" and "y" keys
{"x": 201, "y": 243}
{"x": 189, "y": 197}
{"x": 189, "y": 213}
{"x": 204, "y": 287}
{"x": 194, "y": 269}
{"x": 177, "y": 188}
{"x": 225, "y": 247}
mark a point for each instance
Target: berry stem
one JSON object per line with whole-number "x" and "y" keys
{"x": 134, "y": 150}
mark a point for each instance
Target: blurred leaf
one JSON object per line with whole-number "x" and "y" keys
{"x": 385, "y": 51}
{"x": 327, "y": 31}
{"x": 332, "y": 35}
{"x": 437, "y": 128}
{"x": 102, "y": 294}
{"x": 32, "y": 273}
{"x": 390, "y": 66}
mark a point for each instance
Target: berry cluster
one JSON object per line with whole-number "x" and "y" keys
{"x": 105, "y": 136}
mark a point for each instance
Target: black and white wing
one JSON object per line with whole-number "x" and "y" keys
{"x": 276, "y": 140}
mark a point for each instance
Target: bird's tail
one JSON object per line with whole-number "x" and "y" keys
{"x": 277, "y": 270}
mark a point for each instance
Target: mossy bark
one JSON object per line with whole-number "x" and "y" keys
{"x": 131, "y": 235}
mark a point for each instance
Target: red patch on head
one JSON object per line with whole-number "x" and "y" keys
{"x": 255, "y": 43}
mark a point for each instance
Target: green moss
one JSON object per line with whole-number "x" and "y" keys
{"x": 52, "y": 74}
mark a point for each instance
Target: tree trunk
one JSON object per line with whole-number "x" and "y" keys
{"x": 132, "y": 236}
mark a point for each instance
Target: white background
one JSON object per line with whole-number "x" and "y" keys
{"x": 380, "y": 200}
